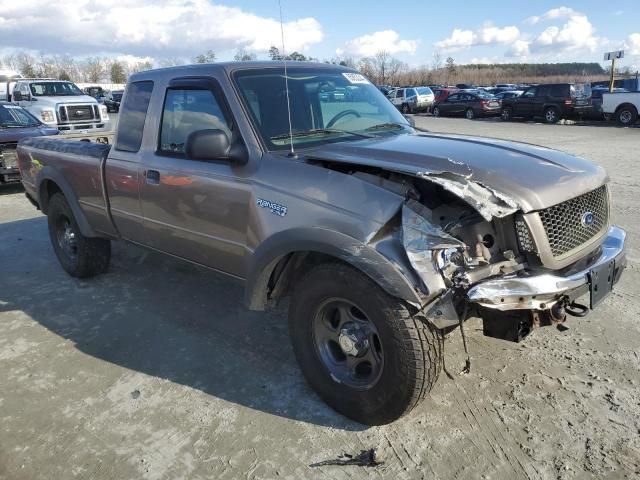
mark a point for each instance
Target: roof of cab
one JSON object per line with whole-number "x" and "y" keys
{"x": 228, "y": 67}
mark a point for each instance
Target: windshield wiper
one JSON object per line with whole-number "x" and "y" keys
{"x": 386, "y": 126}
{"x": 318, "y": 131}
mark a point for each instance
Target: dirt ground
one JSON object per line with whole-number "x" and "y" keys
{"x": 156, "y": 371}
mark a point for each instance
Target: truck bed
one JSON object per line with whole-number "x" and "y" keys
{"x": 77, "y": 167}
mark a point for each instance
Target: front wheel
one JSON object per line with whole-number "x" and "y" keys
{"x": 405, "y": 108}
{"x": 80, "y": 256}
{"x": 360, "y": 349}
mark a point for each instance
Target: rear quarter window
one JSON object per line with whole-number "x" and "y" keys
{"x": 133, "y": 113}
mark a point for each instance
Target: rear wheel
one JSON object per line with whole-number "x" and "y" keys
{"x": 507, "y": 114}
{"x": 359, "y": 348}
{"x": 551, "y": 115}
{"x": 470, "y": 114}
{"x": 435, "y": 111}
{"x": 626, "y": 115}
{"x": 80, "y": 256}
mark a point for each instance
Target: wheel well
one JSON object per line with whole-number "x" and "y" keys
{"x": 627, "y": 105}
{"x": 48, "y": 188}
{"x": 285, "y": 272}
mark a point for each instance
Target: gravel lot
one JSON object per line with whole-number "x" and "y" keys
{"x": 156, "y": 371}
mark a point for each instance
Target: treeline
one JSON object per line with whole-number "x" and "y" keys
{"x": 382, "y": 68}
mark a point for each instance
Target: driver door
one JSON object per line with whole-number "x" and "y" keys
{"x": 195, "y": 209}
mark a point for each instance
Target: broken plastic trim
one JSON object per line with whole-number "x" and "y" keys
{"x": 420, "y": 238}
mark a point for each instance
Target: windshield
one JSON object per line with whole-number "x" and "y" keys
{"x": 580, "y": 90}
{"x": 483, "y": 94}
{"x": 424, "y": 91}
{"x": 14, "y": 116}
{"x": 326, "y": 106}
{"x": 117, "y": 96}
{"x": 55, "y": 89}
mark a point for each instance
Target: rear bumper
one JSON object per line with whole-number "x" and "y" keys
{"x": 540, "y": 292}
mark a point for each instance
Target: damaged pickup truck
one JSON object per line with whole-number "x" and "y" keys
{"x": 381, "y": 236}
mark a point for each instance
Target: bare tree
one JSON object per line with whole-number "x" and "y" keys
{"x": 380, "y": 63}
{"x": 208, "y": 57}
{"x": 436, "y": 63}
{"x": 242, "y": 55}
{"x": 93, "y": 69}
{"x": 24, "y": 63}
{"x": 366, "y": 67}
{"x": 172, "y": 62}
{"x": 140, "y": 66}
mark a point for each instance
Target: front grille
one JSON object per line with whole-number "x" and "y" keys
{"x": 524, "y": 237}
{"x": 573, "y": 223}
{"x": 8, "y": 157}
{"x": 77, "y": 113}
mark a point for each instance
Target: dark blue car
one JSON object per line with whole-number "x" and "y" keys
{"x": 15, "y": 124}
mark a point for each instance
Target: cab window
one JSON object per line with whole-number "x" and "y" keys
{"x": 186, "y": 111}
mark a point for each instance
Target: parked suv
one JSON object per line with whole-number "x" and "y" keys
{"x": 414, "y": 99}
{"x": 61, "y": 104}
{"x": 551, "y": 101}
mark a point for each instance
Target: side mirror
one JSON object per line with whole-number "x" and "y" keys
{"x": 411, "y": 120}
{"x": 17, "y": 96}
{"x": 214, "y": 144}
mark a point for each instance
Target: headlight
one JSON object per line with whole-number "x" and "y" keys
{"x": 48, "y": 116}
{"x": 103, "y": 112}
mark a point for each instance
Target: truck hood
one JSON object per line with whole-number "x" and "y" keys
{"x": 66, "y": 99}
{"x": 497, "y": 177}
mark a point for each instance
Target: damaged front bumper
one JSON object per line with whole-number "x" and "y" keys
{"x": 524, "y": 291}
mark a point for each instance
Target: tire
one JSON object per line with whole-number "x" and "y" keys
{"x": 507, "y": 114}
{"x": 551, "y": 115}
{"x": 79, "y": 256}
{"x": 626, "y": 115}
{"x": 405, "y": 352}
{"x": 470, "y": 114}
{"x": 435, "y": 111}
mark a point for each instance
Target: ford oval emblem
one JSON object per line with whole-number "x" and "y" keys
{"x": 588, "y": 219}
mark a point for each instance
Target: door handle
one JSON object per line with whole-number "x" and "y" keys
{"x": 152, "y": 177}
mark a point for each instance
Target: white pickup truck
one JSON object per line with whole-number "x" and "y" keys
{"x": 61, "y": 104}
{"x": 623, "y": 107}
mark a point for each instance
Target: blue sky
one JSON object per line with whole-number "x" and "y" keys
{"x": 487, "y": 31}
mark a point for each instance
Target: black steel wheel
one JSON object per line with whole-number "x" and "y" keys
{"x": 348, "y": 343}
{"x": 80, "y": 256}
{"x": 359, "y": 348}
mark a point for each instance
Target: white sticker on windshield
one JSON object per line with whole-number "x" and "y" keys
{"x": 355, "y": 78}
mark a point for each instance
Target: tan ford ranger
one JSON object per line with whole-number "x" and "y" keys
{"x": 382, "y": 236}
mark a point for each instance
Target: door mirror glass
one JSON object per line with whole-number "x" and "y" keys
{"x": 17, "y": 96}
